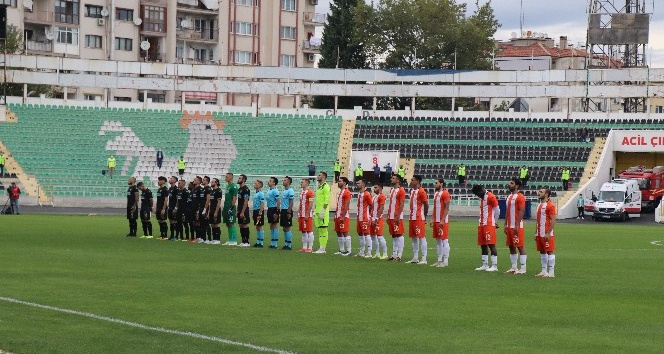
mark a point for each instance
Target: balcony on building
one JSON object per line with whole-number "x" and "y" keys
{"x": 314, "y": 19}
{"x": 201, "y": 7}
{"x": 39, "y": 16}
{"x": 311, "y": 45}
{"x": 198, "y": 35}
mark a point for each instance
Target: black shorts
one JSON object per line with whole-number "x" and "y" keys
{"x": 132, "y": 215}
{"x": 217, "y": 219}
{"x": 245, "y": 218}
{"x": 162, "y": 216}
{"x": 286, "y": 219}
{"x": 202, "y": 218}
{"x": 146, "y": 214}
{"x": 172, "y": 215}
{"x": 273, "y": 215}
{"x": 259, "y": 219}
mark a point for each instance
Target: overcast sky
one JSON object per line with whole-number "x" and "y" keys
{"x": 559, "y": 18}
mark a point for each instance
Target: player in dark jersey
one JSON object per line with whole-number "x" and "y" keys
{"x": 172, "y": 202}
{"x": 243, "y": 215}
{"x": 146, "y": 209}
{"x": 190, "y": 228}
{"x": 199, "y": 209}
{"x": 132, "y": 206}
{"x": 162, "y": 208}
{"x": 205, "y": 222}
{"x": 181, "y": 211}
{"x": 215, "y": 212}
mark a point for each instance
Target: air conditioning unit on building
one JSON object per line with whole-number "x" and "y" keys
{"x": 311, "y": 57}
{"x": 101, "y": 21}
{"x": 313, "y": 2}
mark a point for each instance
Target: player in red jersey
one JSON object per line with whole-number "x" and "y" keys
{"x": 342, "y": 217}
{"x": 486, "y": 231}
{"x": 377, "y": 210}
{"x": 364, "y": 218}
{"x": 544, "y": 237}
{"x": 419, "y": 209}
{"x": 395, "y": 217}
{"x": 440, "y": 222}
{"x": 514, "y": 232}
{"x": 305, "y": 214}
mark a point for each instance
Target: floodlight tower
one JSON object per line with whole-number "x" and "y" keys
{"x": 618, "y": 33}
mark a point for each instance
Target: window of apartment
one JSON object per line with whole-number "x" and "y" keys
{"x": 200, "y": 25}
{"x": 242, "y": 57}
{"x": 288, "y": 32}
{"x": 155, "y": 97}
{"x": 154, "y": 18}
{"x": 10, "y": 3}
{"x": 66, "y": 11}
{"x": 288, "y": 5}
{"x": 247, "y": 2}
{"x": 93, "y": 11}
{"x": 122, "y": 99}
{"x": 67, "y": 35}
{"x": 287, "y": 60}
{"x": 123, "y": 43}
{"x": 91, "y": 97}
{"x": 179, "y": 52}
{"x": 200, "y": 54}
{"x": 245, "y": 28}
{"x": 124, "y": 14}
{"x": 92, "y": 41}
{"x": 659, "y": 109}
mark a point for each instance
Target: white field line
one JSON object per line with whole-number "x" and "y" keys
{"x": 145, "y": 327}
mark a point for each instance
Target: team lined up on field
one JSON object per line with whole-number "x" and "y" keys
{"x": 195, "y": 212}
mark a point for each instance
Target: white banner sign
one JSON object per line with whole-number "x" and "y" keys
{"x": 638, "y": 140}
{"x": 370, "y": 158}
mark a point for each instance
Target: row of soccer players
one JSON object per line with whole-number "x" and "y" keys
{"x": 190, "y": 209}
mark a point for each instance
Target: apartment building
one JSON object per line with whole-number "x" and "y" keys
{"x": 220, "y": 32}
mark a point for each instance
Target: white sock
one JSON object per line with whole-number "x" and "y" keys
{"x": 485, "y": 260}
{"x": 416, "y": 246}
{"x": 401, "y": 245}
{"x": 523, "y": 257}
{"x": 439, "y": 249}
{"x": 494, "y": 261}
{"x": 395, "y": 246}
{"x": 362, "y": 244}
{"x": 341, "y": 243}
{"x": 374, "y": 243}
{"x": 348, "y": 244}
{"x": 383, "y": 245}
{"x": 305, "y": 240}
{"x": 369, "y": 243}
{"x": 446, "y": 250}
{"x": 513, "y": 259}
{"x": 545, "y": 260}
{"x": 552, "y": 264}
{"x": 423, "y": 248}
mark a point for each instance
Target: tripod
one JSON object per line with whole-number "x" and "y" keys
{"x": 4, "y": 208}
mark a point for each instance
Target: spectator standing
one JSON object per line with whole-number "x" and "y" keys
{"x": 14, "y": 194}
{"x": 564, "y": 177}
{"x": 524, "y": 175}
{"x": 337, "y": 170}
{"x": 461, "y": 174}
{"x": 312, "y": 169}
{"x": 585, "y": 134}
{"x": 2, "y": 164}
{"x": 579, "y": 207}
{"x": 160, "y": 158}
{"x": 110, "y": 163}
{"x": 182, "y": 165}
{"x": 388, "y": 173}
{"x": 376, "y": 171}
{"x": 359, "y": 172}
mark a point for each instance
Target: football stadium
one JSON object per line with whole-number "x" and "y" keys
{"x": 193, "y": 176}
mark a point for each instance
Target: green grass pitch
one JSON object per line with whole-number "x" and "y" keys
{"x": 608, "y": 294}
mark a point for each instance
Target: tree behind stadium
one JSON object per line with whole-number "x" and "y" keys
{"x": 426, "y": 34}
{"x": 340, "y": 49}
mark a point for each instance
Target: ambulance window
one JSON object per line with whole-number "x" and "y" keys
{"x": 644, "y": 183}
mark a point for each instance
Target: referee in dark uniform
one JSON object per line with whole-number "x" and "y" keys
{"x": 172, "y": 202}
{"x": 162, "y": 207}
{"x": 132, "y": 206}
{"x": 146, "y": 209}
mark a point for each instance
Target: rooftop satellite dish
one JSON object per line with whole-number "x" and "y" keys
{"x": 185, "y": 24}
{"x": 49, "y": 35}
{"x": 27, "y": 4}
{"x": 145, "y": 45}
{"x": 104, "y": 12}
{"x": 138, "y": 21}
